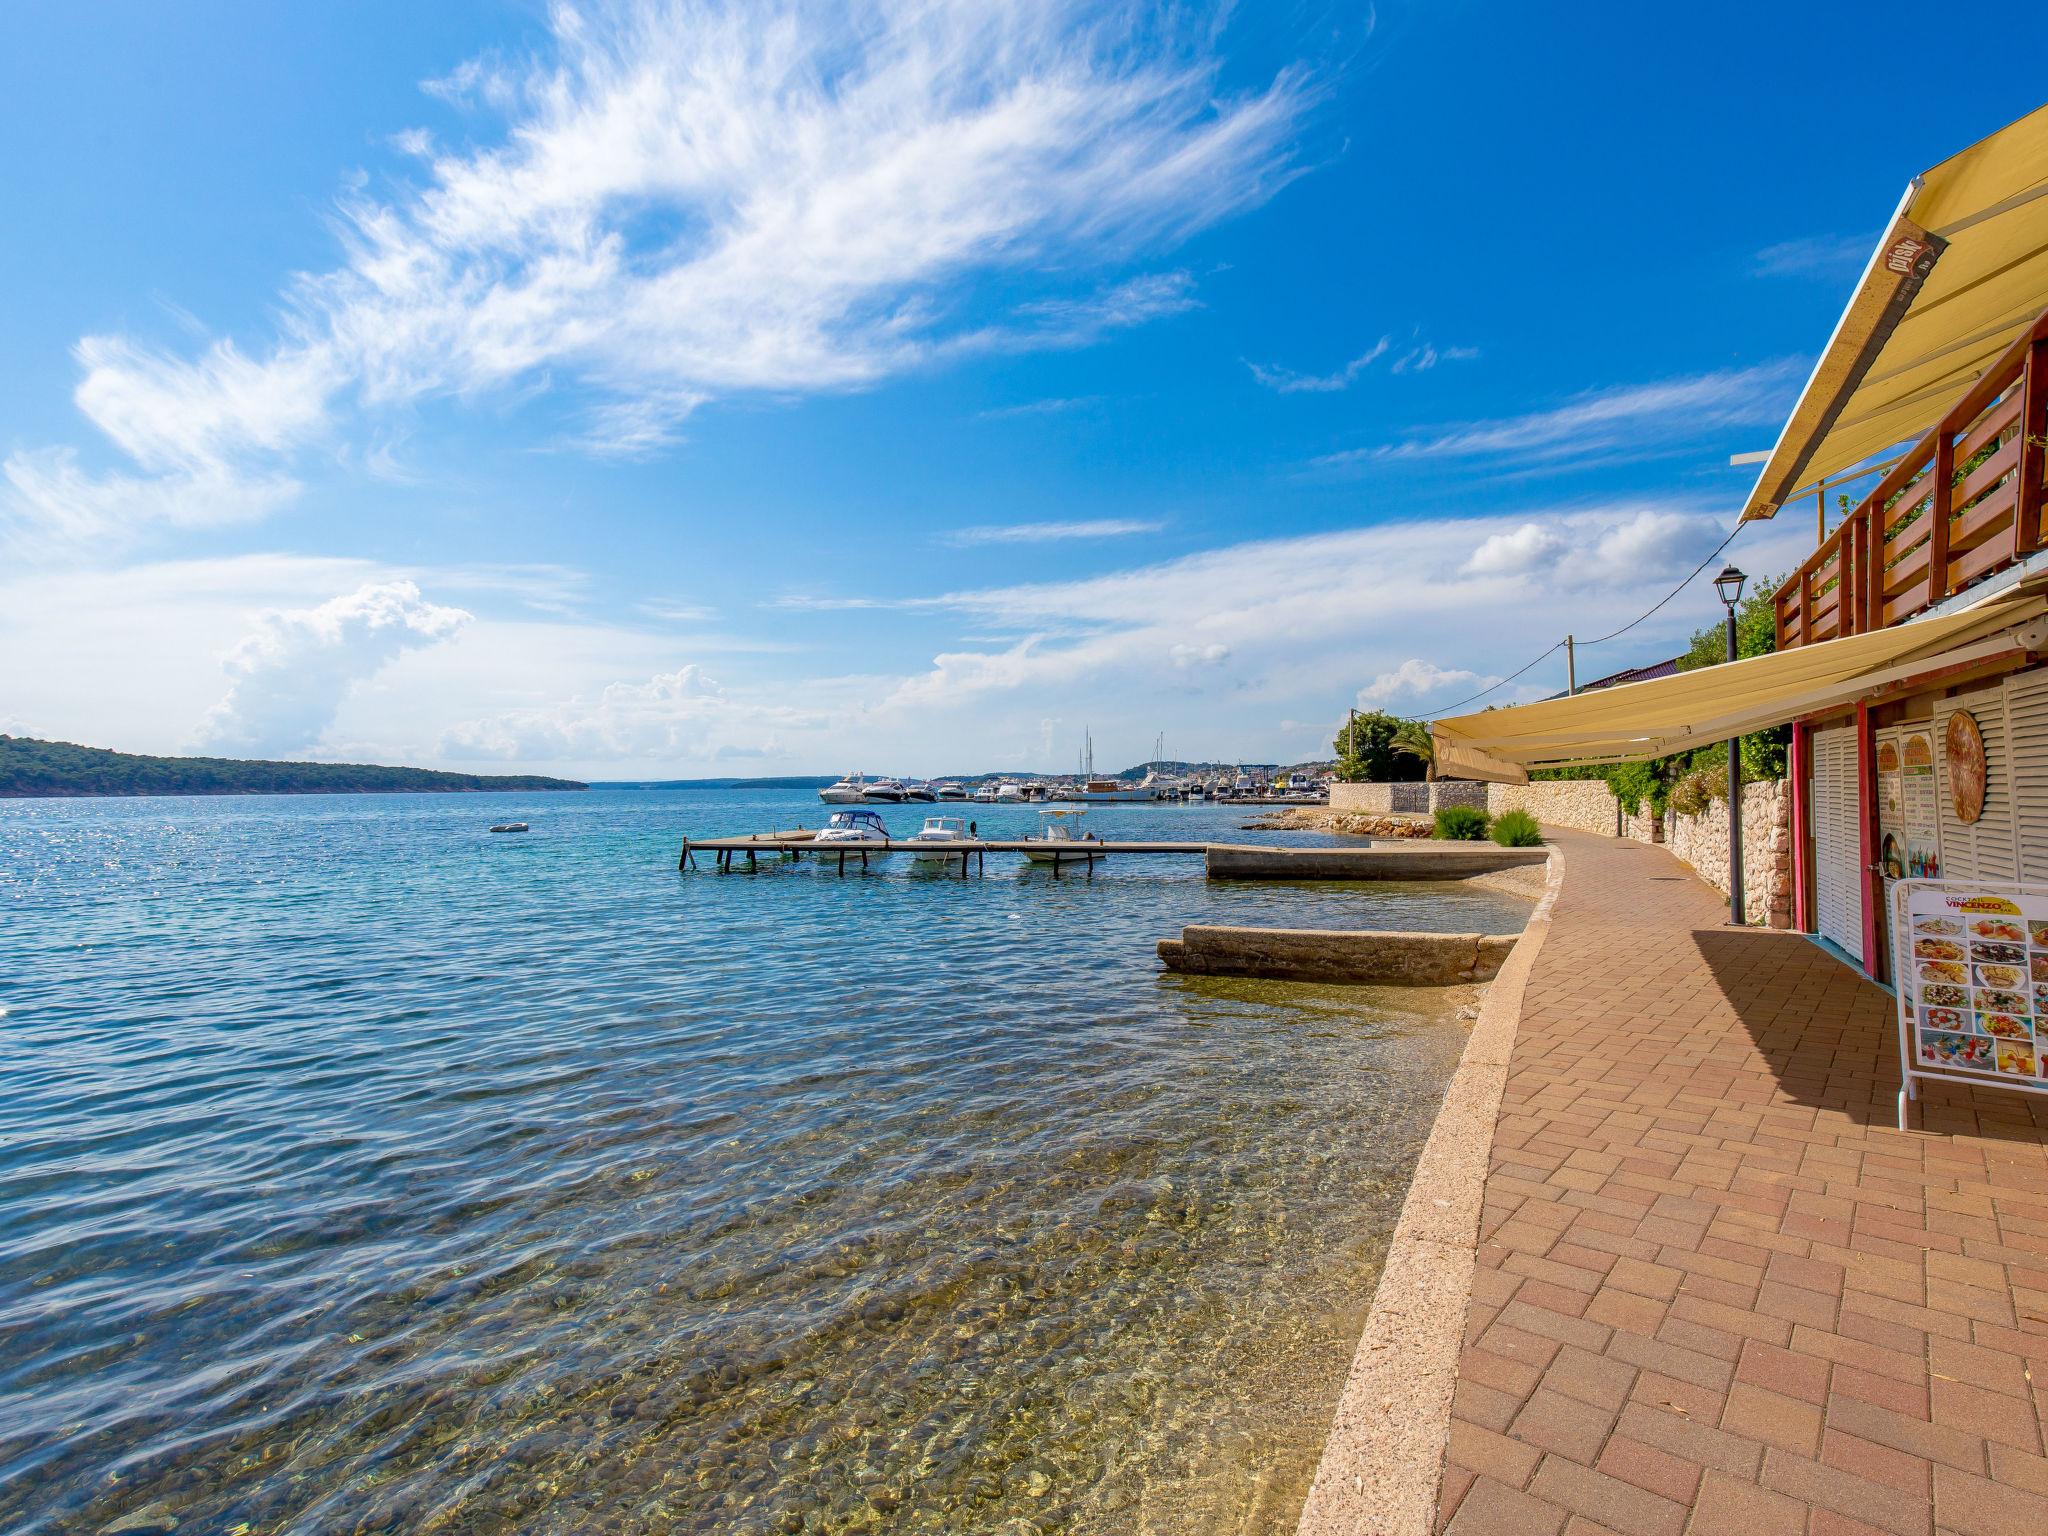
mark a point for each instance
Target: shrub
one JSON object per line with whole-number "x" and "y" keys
{"x": 1517, "y": 829}
{"x": 1461, "y": 823}
{"x": 1698, "y": 789}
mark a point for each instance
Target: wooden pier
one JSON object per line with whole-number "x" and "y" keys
{"x": 1221, "y": 861}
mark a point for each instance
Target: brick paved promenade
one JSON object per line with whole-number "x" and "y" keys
{"x": 1717, "y": 1290}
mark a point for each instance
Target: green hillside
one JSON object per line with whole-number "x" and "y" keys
{"x": 57, "y": 768}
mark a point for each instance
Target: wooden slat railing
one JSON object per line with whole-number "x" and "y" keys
{"x": 1927, "y": 531}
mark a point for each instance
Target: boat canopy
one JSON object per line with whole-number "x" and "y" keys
{"x": 1634, "y": 721}
{"x": 1960, "y": 270}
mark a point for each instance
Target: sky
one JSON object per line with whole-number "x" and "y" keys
{"x": 679, "y": 388}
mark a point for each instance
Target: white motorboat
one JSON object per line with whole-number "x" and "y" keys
{"x": 848, "y": 791}
{"x": 1009, "y": 793}
{"x": 917, "y": 789}
{"x": 938, "y": 838}
{"x": 984, "y": 794}
{"x": 851, "y": 829}
{"x": 1058, "y": 843}
{"x": 891, "y": 791}
{"x": 948, "y": 790}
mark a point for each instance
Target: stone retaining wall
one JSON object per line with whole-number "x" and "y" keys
{"x": 1585, "y": 805}
{"x": 1702, "y": 842}
{"x": 1382, "y": 799}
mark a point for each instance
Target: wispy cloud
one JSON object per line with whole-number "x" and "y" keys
{"x": 1287, "y": 382}
{"x": 1631, "y": 418}
{"x": 690, "y": 198}
{"x": 1815, "y": 256}
{"x": 1054, "y": 407}
{"x": 1046, "y": 533}
{"x": 1415, "y": 357}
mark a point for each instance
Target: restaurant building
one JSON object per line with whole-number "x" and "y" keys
{"x": 1911, "y": 643}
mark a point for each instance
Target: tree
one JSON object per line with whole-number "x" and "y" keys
{"x": 1365, "y": 747}
{"x": 1412, "y": 739}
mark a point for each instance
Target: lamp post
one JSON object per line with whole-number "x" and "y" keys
{"x": 1729, "y": 585}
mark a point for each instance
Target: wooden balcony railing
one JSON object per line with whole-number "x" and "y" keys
{"x": 1964, "y": 502}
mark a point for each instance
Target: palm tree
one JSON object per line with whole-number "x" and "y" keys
{"x": 1412, "y": 739}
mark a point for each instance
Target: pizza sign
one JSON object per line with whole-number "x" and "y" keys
{"x": 1963, "y": 746}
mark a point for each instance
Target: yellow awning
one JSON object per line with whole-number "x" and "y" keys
{"x": 1960, "y": 270}
{"x": 1678, "y": 714}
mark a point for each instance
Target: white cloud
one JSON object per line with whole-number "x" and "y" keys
{"x": 293, "y": 670}
{"x": 1287, "y": 382}
{"x": 1052, "y": 407}
{"x": 1815, "y": 256}
{"x": 1637, "y": 418}
{"x": 1419, "y": 357}
{"x": 1186, "y": 656}
{"x": 1042, "y": 533}
{"x": 689, "y": 198}
{"x": 676, "y": 716}
{"x": 1413, "y": 679}
{"x": 1531, "y": 547}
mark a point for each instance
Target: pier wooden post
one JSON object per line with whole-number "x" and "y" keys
{"x": 842, "y": 862}
{"x": 750, "y": 859}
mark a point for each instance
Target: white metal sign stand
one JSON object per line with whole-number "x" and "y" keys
{"x": 1971, "y": 961}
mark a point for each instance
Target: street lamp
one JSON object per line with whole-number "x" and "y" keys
{"x": 1729, "y": 585}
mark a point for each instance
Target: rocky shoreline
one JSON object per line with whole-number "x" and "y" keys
{"x": 1319, "y": 818}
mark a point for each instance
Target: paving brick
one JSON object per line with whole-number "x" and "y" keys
{"x": 1912, "y": 1475}
{"x": 1553, "y": 1422}
{"x": 1597, "y": 1379}
{"x": 1845, "y": 1493}
{"x": 1494, "y": 1509}
{"x": 1976, "y": 1506}
{"x": 1648, "y": 1468}
{"x": 1606, "y": 1499}
{"x": 1506, "y": 1461}
{"x": 1784, "y": 1371}
{"x": 1729, "y": 1506}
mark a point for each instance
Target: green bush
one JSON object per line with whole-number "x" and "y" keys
{"x": 1517, "y": 829}
{"x": 1461, "y": 823}
{"x": 1700, "y": 788}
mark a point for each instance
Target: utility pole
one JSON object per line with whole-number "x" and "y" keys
{"x": 1571, "y": 666}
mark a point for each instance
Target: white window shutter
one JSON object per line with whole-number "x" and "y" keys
{"x": 1837, "y": 841}
{"x": 1985, "y": 849}
{"x": 2026, "y": 720}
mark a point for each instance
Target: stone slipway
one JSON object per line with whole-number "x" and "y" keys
{"x": 1382, "y": 1462}
{"x": 1337, "y": 954}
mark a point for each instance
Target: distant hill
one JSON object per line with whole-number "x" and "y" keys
{"x": 797, "y": 781}
{"x": 31, "y": 768}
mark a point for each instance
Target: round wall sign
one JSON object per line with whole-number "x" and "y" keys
{"x": 1963, "y": 745}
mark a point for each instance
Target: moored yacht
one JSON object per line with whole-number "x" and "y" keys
{"x": 851, "y": 829}
{"x": 984, "y": 794}
{"x": 1058, "y": 843}
{"x": 848, "y": 791}
{"x": 890, "y": 791}
{"x": 1102, "y": 791}
{"x": 948, "y": 790}
{"x": 938, "y": 838}
{"x": 1009, "y": 793}
{"x": 917, "y": 789}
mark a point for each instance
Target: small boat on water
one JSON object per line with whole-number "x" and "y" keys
{"x": 1058, "y": 843}
{"x": 889, "y": 791}
{"x": 851, "y": 829}
{"x": 938, "y": 838}
{"x": 1117, "y": 791}
{"x": 948, "y": 790}
{"x": 510, "y": 826}
{"x": 850, "y": 790}
{"x": 1009, "y": 793}
{"x": 917, "y": 789}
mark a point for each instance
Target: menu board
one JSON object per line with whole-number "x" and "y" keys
{"x": 1973, "y": 982}
{"x": 1909, "y": 825}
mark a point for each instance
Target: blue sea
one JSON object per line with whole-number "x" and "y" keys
{"x": 362, "y": 1171}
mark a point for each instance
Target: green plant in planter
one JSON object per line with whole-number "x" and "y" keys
{"x": 1461, "y": 823}
{"x": 1517, "y": 829}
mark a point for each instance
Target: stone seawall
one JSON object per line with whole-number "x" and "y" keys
{"x": 1333, "y": 954}
{"x": 1584, "y": 805}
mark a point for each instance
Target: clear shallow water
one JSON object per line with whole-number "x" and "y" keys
{"x": 361, "y": 1171}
